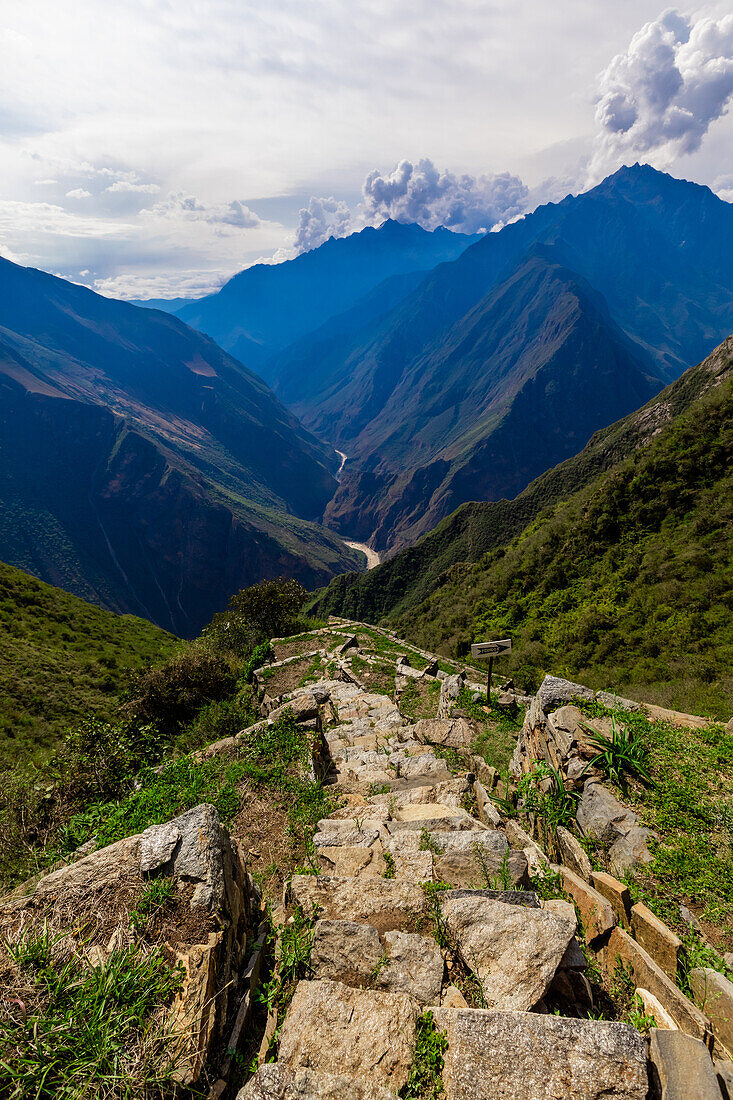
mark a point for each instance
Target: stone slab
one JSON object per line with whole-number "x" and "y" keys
{"x": 682, "y": 1067}
{"x": 713, "y": 993}
{"x": 657, "y": 939}
{"x": 528, "y": 1056}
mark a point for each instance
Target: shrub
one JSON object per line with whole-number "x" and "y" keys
{"x": 172, "y": 694}
{"x": 265, "y": 610}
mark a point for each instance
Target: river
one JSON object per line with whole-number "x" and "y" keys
{"x": 372, "y": 556}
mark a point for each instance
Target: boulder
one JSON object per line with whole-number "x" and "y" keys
{"x": 413, "y": 964}
{"x": 528, "y": 1056}
{"x": 352, "y": 861}
{"x": 345, "y": 951}
{"x": 554, "y": 692}
{"x": 514, "y": 951}
{"x": 157, "y": 845}
{"x": 302, "y": 707}
{"x": 682, "y": 1067}
{"x": 602, "y": 816}
{"x": 331, "y": 1028}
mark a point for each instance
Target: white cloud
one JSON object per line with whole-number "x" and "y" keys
{"x": 78, "y": 193}
{"x": 658, "y": 99}
{"x": 135, "y": 188}
{"x": 187, "y": 208}
{"x": 421, "y": 193}
{"x": 321, "y": 219}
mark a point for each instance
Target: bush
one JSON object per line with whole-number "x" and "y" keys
{"x": 173, "y": 694}
{"x": 265, "y": 610}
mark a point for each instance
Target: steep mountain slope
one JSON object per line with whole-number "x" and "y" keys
{"x": 268, "y": 306}
{"x": 143, "y": 468}
{"x": 655, "y": 248}
{"x": 615, "y": 566}
{"x": 62, "y": 661}
{"x": 519, "y": 383}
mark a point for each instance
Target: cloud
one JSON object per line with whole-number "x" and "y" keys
{"x": 183, "y": 207}
{"x": 78, "y": 193}
{"x": 658, "y": 99}
{"x": 126, "y": 186}
{"x": 421, "y": 193}
{"x": 323, "y": 218}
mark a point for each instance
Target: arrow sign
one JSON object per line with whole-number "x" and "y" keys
{"x": 491, "y": 649}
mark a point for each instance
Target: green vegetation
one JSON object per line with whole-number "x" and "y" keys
{"x": 62, "y": 660}
{"x": 689, "y": 805}
{"x": 295, "y": 940}
{"x": 426, "y": 1073}
{"x": 102, "y": 783}
{"x": 625, "y": 586}
{"x": 620, "y": 754}
{"x": 155, "y": 898}
{"x": 498, "y": 731}
{"x": 72, "y": 1029}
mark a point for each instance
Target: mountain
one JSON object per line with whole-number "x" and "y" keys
{"x": 62, "y": 661}
{"x": 614, "y": 566}
{"x": 167, "y": 305}
{"x": 141, "y": 467}
{"x": 421, "y": 401}
{"x": 269, "y": 306}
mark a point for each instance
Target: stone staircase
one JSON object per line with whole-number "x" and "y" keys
{"x": 421, "y": 904}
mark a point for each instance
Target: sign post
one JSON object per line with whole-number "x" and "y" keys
{"x": 491, "y": 650}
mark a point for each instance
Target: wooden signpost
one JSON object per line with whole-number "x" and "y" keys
{"x": 491, "y": 650}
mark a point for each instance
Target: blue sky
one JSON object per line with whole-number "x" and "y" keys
{"x": 154, "y": 147}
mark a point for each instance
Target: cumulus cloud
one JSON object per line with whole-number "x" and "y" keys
{"x": 78, "y": 193}
{"x": 659, "y": 98}
{"x": 321, "y": 219}
{"x": 183, "y": 207}
{"x": 421, "y": 193}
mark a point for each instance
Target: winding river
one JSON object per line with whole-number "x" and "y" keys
{"x": 372, "y": 556}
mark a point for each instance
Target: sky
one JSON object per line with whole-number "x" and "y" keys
{"x": 152, "y": 148}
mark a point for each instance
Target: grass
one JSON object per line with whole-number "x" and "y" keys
{"x": 420, "y": 698}
{"x": 295, "y": 942}
{"x": 498, "y": 731}
{"x": 155, "y": 898}
{"x": 426, "y": 1073}
{"x": 689, "y": 805}
{"x": 74, "y": 1030}
{"x": 62, "y": 660}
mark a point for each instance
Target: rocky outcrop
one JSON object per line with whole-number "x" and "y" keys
{"x": 218, "y": 913}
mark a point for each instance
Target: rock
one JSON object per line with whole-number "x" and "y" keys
{"x": 352, "y": 862}
{"x": 560, "y": 908}
{"x": 457, "y": 733}
{"x": 528, "y": 1056}
{"x": 602, "y": 816}
{"x": 595, "y": 912}
{"x": 431, "y": 668}
{"x": 414, "y": 965}
{"x": 573, "y": 959}
{"x": 487, "y": 811}
{"x": 657, "y": 939}
{"x": 449, "y": 691}
{"x": 330, "y": 1028}
{"x": 157, "y": 844}
{"x": 345, "y": 951}
{"x": 413, "y": 866}
{"x": 572, "y": 854}
{"x": 630, "y": 850}
{"x": 466, "y": 867}
{"x": 653, "y": 1007}
{"x": 453, "y": 998}
{"x": 555, "y": 691}
{"x": 648, "y": 974}
{"x": 713, "y": 992}
{"x": 514, "y": 951}
{"x": 350, "y": 643}
{"x": 304, "y": 708}
{"x": 613, "y": 701}
{"x": 682, "y": 1067}
{"x": 724, "y": 1071}
{"x": 273, "y": 1082}
{"x": 192, "y": 1016}
{"x": 614, "y": 892}
{"x": 386, "y": 903}
{"x": 691, "y": 920}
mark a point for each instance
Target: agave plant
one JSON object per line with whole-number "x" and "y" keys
{"x": 618, "y": 754}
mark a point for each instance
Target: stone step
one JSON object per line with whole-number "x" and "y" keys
{"x": 388, "y": 904}
{"x": 495, "y": 1055}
